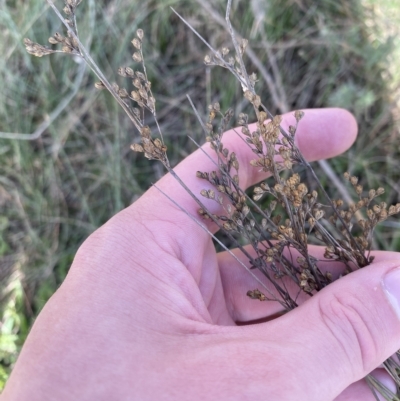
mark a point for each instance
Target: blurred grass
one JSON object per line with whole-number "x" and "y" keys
{"x": 55, "y": 190}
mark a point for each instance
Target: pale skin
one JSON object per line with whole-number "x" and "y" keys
{"x": 148, "y": 309}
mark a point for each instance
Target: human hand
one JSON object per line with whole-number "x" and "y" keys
{"x": 148, "y": 310}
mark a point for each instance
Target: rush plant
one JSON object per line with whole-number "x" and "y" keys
{"x": 282, "y": 215}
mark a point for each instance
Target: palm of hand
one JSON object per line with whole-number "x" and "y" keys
{"x": 149, "y": 308}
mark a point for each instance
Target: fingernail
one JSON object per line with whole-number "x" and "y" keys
{"x": 391, "y": 285}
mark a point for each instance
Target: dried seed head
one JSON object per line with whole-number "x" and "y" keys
{"x": 121, "y": 71}
{"x": 129, "y": 71}
{"x": 145, "y": 132}
{"x": 207, "y": 59}
{"x": 243, "y": 45}
{"x": 277, "y": 120}
{"x": 140, "y": 75}
{"x": 137, "y": 83}
{"x": 66, "y": 49}
{"x": 227, "y": 226}
{"x": 135, "y": 96}
{"x": 376, "y": 209}
{"x": 140, "y": 34}
{"x": 379, "y": 191}
{"x": 53, "y": 41}
{"x": 371, "y": 194}
{"x": 123, "y": 93}
{"x": 204, "y": 193}
{"x": 298, "y": 114}
{"x": 99, "y": 85}
{"x": 256, "y": 294}
{"x": 245, "y": 210}
{"x": 58, "y": 37}
{"x": 224, "y": 51}
{"x": 354, "y": 180}
{"x": 137, "y": 44}
{"x": 137, "y": 148}
{"x": 137, "y": 58}
{"x": 143, "y": 93}
{"x": 253, "y": 78}
{"x": 319, "y": 214}
{"x": 339, "y": 203}
{"x": 383, "y": 215}
{"x": 249, "y": 96}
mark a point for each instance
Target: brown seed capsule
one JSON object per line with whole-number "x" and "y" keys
{"x": 99, "y": 85}
{"x": 376, "y": 209}
{"x": 354, "y": 180}
{"x": 298, "y": 115}
{"x": 121, "y": 71}
{"x": 137, "y": 148}
{"x": 57, "y": 36}
{"x": 140, "y": 34}
{"x": 257, "y": 101}
{"x": 135, "y": 96}
{"x": 224, "y": 51}
{"x": 123, "y": 93}
{"x": 227, "y": 226}
{"x": 137, "y": 83}
{"x": 137, "y": 58}
{"x": 53, "y": 41}
{"x": 137, "y": 44}
{"x": 256, "y": 294}
{"x": 129, "y": 71}
{"x": 277, "y": 120}
{"x": 243, "y": 45}
{"x": 249, "y": 96}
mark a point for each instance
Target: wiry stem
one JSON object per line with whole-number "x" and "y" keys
{"x": 96, "y": 70}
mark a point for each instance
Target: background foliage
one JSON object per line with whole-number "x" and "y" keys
{"x": 77, "y": 170}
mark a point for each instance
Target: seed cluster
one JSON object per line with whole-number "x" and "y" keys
{"x": 69, "y": 44}
{"x": 276, "y": 233}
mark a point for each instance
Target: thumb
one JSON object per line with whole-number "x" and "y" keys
{"x": 345, "y": 331}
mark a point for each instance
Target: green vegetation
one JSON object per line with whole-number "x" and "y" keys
{"x": 77, "y": 170}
